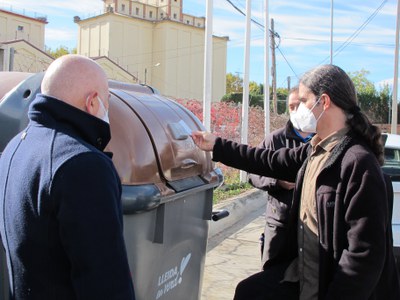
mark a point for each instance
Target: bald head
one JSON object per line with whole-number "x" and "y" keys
{"x": 75, "y": 79}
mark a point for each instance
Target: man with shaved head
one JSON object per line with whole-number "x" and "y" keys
{"x": 60, "y": 195}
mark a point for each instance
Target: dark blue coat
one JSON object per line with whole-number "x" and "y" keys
{"x": 60, "y": 208}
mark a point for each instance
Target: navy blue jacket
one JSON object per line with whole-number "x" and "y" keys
{"x": 60, "y": 208}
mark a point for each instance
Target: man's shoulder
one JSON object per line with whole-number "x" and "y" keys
{"x": 276, "y": 134}
{"x": 278, "y": 131}
{"x": 78, "y": 152}
{"x": 355, "y": 152}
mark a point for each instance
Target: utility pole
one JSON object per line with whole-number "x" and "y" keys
{"x": 396, "y": 74}
{"x": 288, "y": 83}
{"x": 266, "y": 68}
{"x": 246, "y": 72}
{"x": 273, "y": 70}
{"x": 207, "y": 77}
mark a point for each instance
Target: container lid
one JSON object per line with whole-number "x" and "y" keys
{"x": 151, "y": 139}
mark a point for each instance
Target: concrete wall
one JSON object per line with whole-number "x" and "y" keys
{"x": 21, "y": 56}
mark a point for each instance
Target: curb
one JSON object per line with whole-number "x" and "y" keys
{"x": 238, "y": 208}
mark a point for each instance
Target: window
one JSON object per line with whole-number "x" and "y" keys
{"x": 174, "y": 16}
{"x": 150, "y": 14}
{"x": 20, "y": 28}
{"x": 137, "y": 11}
{"x": 187, "y": 22}
{"x": 123, "y": 7}
{"x": 162, "y": 15}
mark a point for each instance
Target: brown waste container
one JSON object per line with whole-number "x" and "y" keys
{"x": 167, "y": 184}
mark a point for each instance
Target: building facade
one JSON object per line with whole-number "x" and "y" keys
{"x": 16, "y": 26}
{"x": 22, "y": 47}
{"x": 22, "y": 43}
{"x": 157, "y": 43}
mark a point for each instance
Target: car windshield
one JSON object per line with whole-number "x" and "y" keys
{"x": 391, "y": 165}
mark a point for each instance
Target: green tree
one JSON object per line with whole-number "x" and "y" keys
{"x": 385, "y": 102}
{"x": 361, "y": 83}
{"x": 375, "y": 104}
{"x": 255, "y": 88}
{"x": 254, "y": 100}
{"x": 60, "y": 51}
{"x": 234, "y": 84}
{"x": 281, "y": 95}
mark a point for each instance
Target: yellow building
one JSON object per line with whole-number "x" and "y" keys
{"x": 157, "y": 43}
{"x": 22, "y": 43}
{"x": 22, "y": 47}
{"x": 22, "y": 56}
{"x": 16, "y": 26}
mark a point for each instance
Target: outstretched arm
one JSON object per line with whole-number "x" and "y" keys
{"x": 204, "y": 140}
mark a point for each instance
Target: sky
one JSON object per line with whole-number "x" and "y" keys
{"x": 363, "y": 32}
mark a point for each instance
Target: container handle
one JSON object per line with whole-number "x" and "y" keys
{"x": 188, "y": 163}
{"x": 219, "y": 214}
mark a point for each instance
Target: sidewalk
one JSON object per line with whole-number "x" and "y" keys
{"x": 233, "y": 250}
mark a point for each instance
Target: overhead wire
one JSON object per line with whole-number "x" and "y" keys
{"x": 348, "y": 41}
{"x": 262, "y": 27}
{"x": 357, "y": 32}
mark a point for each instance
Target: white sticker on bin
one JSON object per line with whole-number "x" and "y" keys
{"x": 180, "y": 130}
{"x": 186, "y": 128}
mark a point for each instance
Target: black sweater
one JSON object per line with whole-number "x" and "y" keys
{"x": 356, "y": 258}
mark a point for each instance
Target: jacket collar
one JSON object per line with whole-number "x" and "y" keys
{"x": 345, "y": 142}
{"x": 291, "y": 133}
{"x": 59, "y": 115}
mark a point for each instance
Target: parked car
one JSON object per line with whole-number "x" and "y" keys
{"x": 392, "y": 168}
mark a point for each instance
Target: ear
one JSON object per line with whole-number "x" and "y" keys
{"x": 91, "y": 105}
{"x": 326, "y": 101}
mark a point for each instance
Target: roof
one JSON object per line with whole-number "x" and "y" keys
{"x": 26, "y": 42}
{"x": 114, "y": 63}
{"x": 41, "y": 19}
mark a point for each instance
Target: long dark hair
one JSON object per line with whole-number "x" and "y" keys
{"x": 333, "y": 81}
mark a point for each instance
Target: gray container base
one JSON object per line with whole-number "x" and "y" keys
{"x": 167, "y": 247}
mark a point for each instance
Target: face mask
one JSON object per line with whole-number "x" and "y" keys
{"x": 105, "y": 111}
{"x": 303, "y": 119}
{"x": 292, "y": 117}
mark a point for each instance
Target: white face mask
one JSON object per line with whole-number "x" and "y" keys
{"x": 303, "y": 119}
{"x": 105, "y": 111}
{"x": 292, "y": 118}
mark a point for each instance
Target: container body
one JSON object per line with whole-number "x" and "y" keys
{"x": 167, "y": 183}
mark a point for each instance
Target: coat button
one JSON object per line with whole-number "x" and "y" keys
{"x": 99, "y": 141}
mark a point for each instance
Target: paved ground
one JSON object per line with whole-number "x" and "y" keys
{"x": 233, "y": 254}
